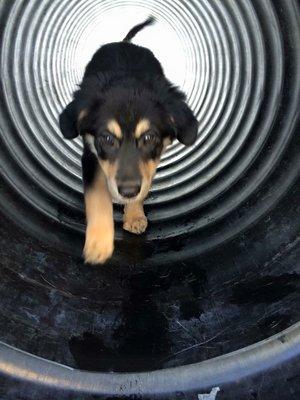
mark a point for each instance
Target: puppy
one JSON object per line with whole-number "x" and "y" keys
{"x": 127, "y": 112}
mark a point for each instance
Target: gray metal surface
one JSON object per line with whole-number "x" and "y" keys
{"x": 218, "y": 269}
{"x": 235, "y": 78}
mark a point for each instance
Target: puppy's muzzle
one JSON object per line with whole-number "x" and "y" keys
{"x": 129, "y": 189}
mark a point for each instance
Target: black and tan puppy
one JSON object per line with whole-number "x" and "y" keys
{"x": 127, "y": 113}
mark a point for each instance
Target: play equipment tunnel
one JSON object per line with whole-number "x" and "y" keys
{"x": 208, "y": 298}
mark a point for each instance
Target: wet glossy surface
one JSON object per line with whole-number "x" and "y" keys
{"x": 134, "y": 317}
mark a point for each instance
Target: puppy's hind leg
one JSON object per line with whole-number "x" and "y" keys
{"x": 99, "y": 241}
{"x": 134, "y": 218}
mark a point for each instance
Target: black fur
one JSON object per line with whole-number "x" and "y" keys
{"x": 130, "y": 35}
{"x": 126, "y": 82}
{"x": 89, "y": 164}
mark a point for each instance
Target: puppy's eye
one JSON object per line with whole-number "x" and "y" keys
{"x": 108, "y": 139}
{"x": 148, "y": 138}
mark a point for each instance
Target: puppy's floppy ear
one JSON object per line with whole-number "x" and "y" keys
{"x": 75, "y": 120}
{"x": 68, "y": 121}
{"x": 183, "y": 120}
{"x": 79, "y": 116}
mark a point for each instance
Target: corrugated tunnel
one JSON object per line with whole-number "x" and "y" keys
{"x": 210, "y": 294}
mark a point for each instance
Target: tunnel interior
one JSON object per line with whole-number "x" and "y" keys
{"x": 218, "y": 268}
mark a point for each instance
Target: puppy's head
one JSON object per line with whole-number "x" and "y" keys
{"x": 129, "y": 153}
{"x": 129, "y": 128}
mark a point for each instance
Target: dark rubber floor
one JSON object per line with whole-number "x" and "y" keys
{"x": 218, "y": 268}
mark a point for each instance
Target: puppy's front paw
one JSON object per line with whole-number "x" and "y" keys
{"x": 99, "y": 246}
{"x": 136, "y": 225}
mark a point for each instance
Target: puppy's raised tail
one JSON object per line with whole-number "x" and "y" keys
{"x": 137, "y": 28}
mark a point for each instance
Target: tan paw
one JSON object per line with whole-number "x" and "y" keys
{"x": 137, "y": 225}
{"x": 98, "y": 246}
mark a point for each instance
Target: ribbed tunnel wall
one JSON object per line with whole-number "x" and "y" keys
{"x": 224, "y": 214}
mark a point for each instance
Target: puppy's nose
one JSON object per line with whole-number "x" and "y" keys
{"x": 129, "y": 190}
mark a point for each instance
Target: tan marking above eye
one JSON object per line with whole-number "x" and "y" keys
{"x": 142, "y": 126}
{"x": 113, "y": 127}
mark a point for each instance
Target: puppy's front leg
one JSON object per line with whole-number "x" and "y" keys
{"x": 134, "y": 218}
{"x": 99, "y": 241}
